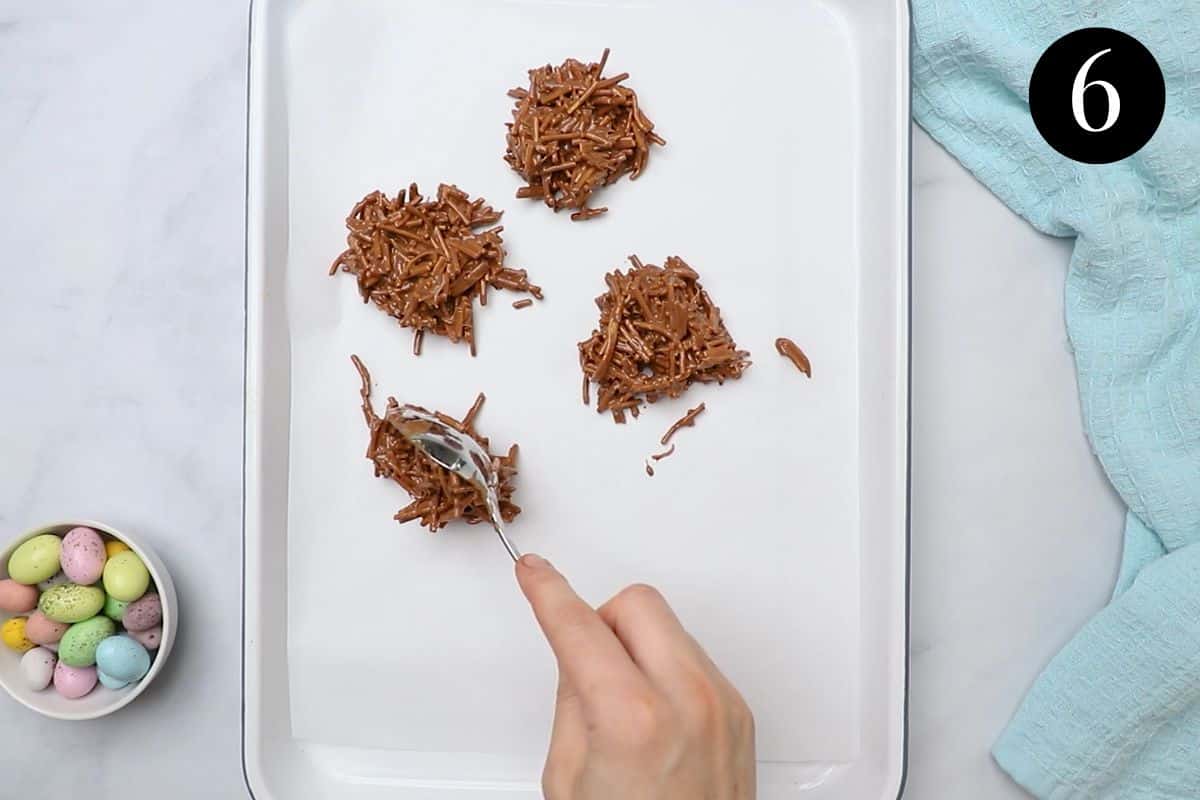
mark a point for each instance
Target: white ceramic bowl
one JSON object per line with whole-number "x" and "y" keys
{"x": 102, "y": 700}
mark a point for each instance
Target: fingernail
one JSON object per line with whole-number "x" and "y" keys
{"x": 534, "y": 561}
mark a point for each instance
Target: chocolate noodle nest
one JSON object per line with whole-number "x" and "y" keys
{"x": 659, "y": 333}
{"x": 424, "y": 262}
{"x": 573, "y": 131}
{"x": 439, "y": 495}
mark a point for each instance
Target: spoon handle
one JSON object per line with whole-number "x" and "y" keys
{"x": 498, "y": 523}
{"x": 509, "y": 546}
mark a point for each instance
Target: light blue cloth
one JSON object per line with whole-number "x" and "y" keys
{"x": 1117, "y": 713}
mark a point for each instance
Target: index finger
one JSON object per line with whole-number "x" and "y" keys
{"x": 588, "y": 652}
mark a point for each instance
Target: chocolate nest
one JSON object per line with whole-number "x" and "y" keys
{"x": 439, "y": 496}
{"x": 574, "y": 131}
{"x": 425, "y": 262}
{"x": 659, "y": 333}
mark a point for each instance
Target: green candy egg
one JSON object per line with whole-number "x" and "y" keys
{"x": 126, "y": 577}
{"x": 114, "y": 609}
{"x": 71, "y": 603}
{"x": 79, "y": 643}
{"x": 35, "y": 560}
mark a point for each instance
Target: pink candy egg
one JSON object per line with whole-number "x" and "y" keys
{"x": 83, "y": 556}
{"x": 149, "y": 639}
{"x": 42, "y": 630}
{"x": 17, "y": 598}
{"x": 73, "y": 683}
{"x": 143, "y": 614}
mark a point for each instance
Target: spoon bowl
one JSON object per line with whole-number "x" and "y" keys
{"x": 458, "y": 452}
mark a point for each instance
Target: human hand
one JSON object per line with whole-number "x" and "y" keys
{"x": 642, "y": 713}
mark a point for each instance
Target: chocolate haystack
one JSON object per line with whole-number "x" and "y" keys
{"x": 425, "y": 262}
{"x": 573, "y": 131}
{"x": 658, "y": 334}
{"x": 439, "y": 495}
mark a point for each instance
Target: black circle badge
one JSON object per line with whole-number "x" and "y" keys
{"x": 1097, "y": 95}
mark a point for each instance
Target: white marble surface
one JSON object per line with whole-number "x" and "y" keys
{"x": 121, "y": 220}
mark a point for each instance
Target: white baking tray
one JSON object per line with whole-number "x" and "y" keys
{"x": 383, "y": 662}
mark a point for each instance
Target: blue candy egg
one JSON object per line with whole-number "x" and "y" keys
{"x": 111, "y": 682}
{"x": 123, "y": 659}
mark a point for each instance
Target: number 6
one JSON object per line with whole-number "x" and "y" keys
{"x": 1081, "y": 85}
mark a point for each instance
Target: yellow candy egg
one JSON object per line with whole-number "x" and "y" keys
{"x": 126, "y": 577}
{"x": 35, "y": 560}
{"x": 13, "y": 634}
{"x": 112, "y": 547}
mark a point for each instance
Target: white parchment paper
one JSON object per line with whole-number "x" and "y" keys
{"x": 402, "y": 639}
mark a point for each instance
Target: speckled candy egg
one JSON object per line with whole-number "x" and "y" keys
{"x": 126, "y": 577}
{"x": 13, "y": 635}
{"x": 17, "y": 598}
{"x": 149, "y": 639}
{"x": 83, "y": 556}
{"x": 74, "y": 682}
{"x": 44, "y": 631}
{"x": 143, "y": 613}
{"x": 78, "y": 646}
{"x": 37, "y": 668}
{"x": 35, "y": 560}
{"x": 122, "y": 658}
{"x": 72, "y": 603}
{"x": 114, "y": 609}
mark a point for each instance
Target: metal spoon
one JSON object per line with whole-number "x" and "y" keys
{"x": 456, "y": 452}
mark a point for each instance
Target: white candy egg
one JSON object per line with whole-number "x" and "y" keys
{"x": 37, "y": 668}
